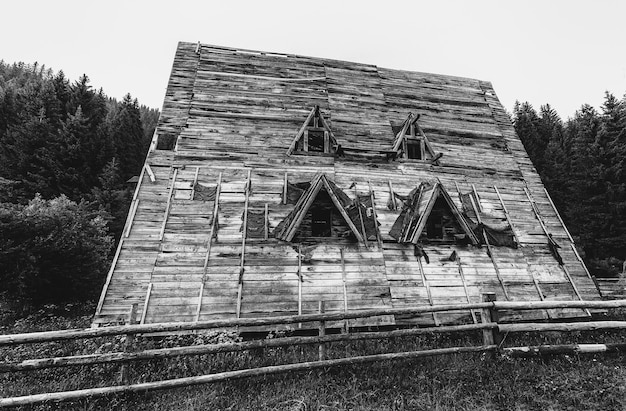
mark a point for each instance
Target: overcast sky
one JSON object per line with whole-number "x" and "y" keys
{"x": 565, "y": 53}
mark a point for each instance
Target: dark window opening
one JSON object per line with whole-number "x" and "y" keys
{"x": 166, "y": 142}
{"x": 321, "y": 219}
{"x": 413, "y": 150}
{"x": 316, "y": 141}
{"x": 441, "y": 225}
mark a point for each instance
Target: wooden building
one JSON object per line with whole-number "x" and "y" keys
{"x": 276, "y": 181}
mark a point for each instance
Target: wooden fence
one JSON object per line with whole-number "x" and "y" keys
{"x": 489, "y": 309}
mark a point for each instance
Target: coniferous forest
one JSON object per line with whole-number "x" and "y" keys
{"x": 66, "y": 153}
{"x": 582, "y": 162}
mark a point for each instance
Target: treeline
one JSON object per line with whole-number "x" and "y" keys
{"x": 66, "y": 152}
{"x": 582, "y": 162}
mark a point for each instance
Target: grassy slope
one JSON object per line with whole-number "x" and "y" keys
{"x": 464, "y": 382}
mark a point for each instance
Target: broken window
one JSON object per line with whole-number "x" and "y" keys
{"x": 414, "y": 149}
{"x": 166, "y": 142}
{"x": 321, "y": 222}
{"x": 441, "y": 224}
{"x": 410, "y": 142}
{"x": 316, "y": 141}
{"x": 314, "y": 136}
{"x": 429, "y": 214}
{"x": 323, "y": 210}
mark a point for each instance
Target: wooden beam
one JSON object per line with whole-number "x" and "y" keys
{"x": 207, "y": 255}
{"x": 233, "y": 375}
{"x": 358, "y": 204}
{"x": 478, "y": 206}
{"x": 375, "y": 215}
{"x": 489, "y": 250}
{"x": 427, "y": 286}
{"x": 300, "y": 133}
{"x": 346, "y": 325}
{"x": 131, "y": 217}
{"x": 168, "y": 205}
{"x": 407, "y": 235}
{"x": 150, "y": 173}
{"x": 581, "y": 261}
{"x": 300, "y": 281}
{"x": 107, "y": 282}
{"x": 199, "y": 307}
{"x": 558, "y": 216}
{"x": 266, "y": 228}
{"x": 506, "y": 214}
{"x": 460, "y": 268}
{"x": 285, "y": 189}
{"x": 195, "y": 181}
{"x": 302, "y": 206}
{"x": 571, "y": 281}
{"x": 214, "y": 221}
{"x": 400, "y": 136}
{"x": 208, "y": 349}
{"x": 342, "y": 211}
{"x": 62, "y": 335}
{"x": 145, "y": 304}
{"x": 244, "y": 234}
{"x": 322, "y": 332}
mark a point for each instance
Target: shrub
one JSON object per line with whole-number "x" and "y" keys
{"x": 52, "y": 250}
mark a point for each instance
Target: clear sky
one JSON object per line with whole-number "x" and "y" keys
{"x": 565, "y": 53}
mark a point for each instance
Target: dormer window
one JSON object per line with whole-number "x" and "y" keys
{"x": 314, "y": 136}
{"x": 414, "y": 149}
{"x": 411, "y": 142}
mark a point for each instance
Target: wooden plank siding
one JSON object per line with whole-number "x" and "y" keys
{"x": 235, "y": 112}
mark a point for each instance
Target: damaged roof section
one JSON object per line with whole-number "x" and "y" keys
{"x": 357, "y": 215}
{"x": 430, "y": 212}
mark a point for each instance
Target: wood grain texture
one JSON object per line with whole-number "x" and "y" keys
{"x": 236, "y": 113}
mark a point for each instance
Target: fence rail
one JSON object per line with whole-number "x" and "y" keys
{"x": 492, "y": 332}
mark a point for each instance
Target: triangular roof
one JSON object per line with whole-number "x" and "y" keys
{"x": 411, "y": 127}
{"x": 421, "y": 204}
{"x": 315, "y": 114}
{"x": 289, "y": 226}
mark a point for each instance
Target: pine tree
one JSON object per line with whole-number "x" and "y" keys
{"x": 127, "y": 135}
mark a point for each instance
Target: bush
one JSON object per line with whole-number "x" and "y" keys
{"x": 52, "y": 250}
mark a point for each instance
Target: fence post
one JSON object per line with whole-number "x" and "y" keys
{"x": 322, "y": 332}
{"x": 128, "y": 342}
{"x": 488, "y": 315}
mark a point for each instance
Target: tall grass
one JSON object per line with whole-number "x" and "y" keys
{"x": 457, "y": 382}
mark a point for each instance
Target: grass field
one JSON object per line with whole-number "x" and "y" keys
{"x": 457, "y": 382}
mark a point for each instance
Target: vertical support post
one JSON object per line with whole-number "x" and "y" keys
{"x": 128, "y": 343}
{"x": 427, "y": 286}
{"x": 267, "y": 223}
{"x": 326, "y": 142}
{"x": 460, "y": 267}
{"x": 358, "y": 203}
{"x": 299, "y": 282}
{"x": 346, "y": 325}
{"x": 375, "y": 215}
{"x": 285, "y": 189}
{"x": 244, "y": 234}
{"x": 506, "y": 214}
{"x": 145, "y": 303}
{"x": 195, "y": 182}
{"x": 490, "y": 315}
{"x": 322, "y": 332}
{"x": 168, "y": 205}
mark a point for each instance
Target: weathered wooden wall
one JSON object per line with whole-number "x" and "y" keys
{"x": 236, "y": 112}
